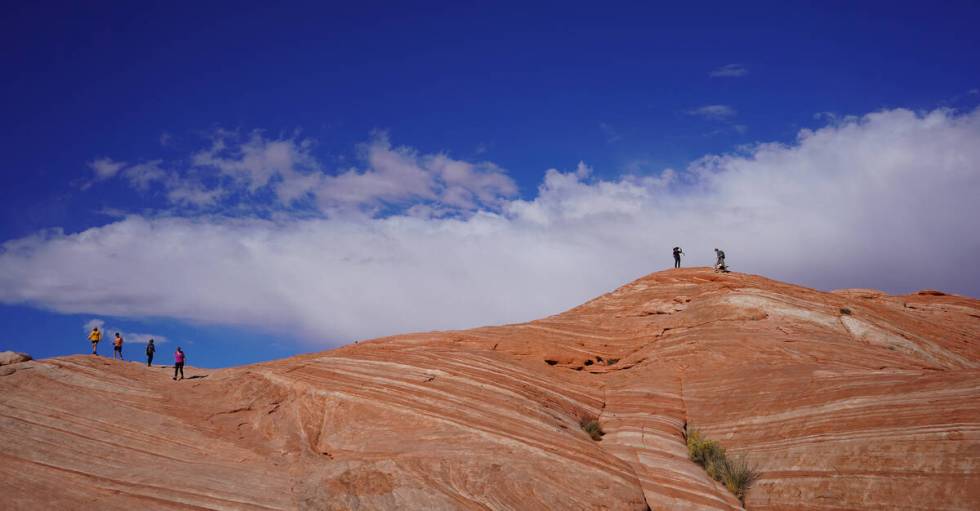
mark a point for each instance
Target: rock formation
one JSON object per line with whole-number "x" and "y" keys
{"x": 13, "y": 357}
{"x": 846, "y": 400}
{"x": 8, "y": 359}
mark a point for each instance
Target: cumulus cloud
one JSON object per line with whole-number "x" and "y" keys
{"x": 729, "y": 71}
{"x": 886, "y": 200}
{"x": 257, "y": 159}
{"x": 714, "y": 112}
{"x": 247, "y": 168}
{"x": 399, "y": 175}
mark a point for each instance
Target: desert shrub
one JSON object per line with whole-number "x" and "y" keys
{"x": 591, "y": 426}
{"x": 704, "y": 452}
{"x": 734, "y": 473}
{"x": 845, "y": 311}
{"x": 738, "y": 476}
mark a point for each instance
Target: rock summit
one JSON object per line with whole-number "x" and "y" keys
{"x": 852, "y": 399}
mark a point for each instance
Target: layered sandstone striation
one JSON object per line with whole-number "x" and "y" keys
{"x": 846, "y": 400}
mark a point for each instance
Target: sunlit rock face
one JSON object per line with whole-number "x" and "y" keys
{"x": 846, "y": 400}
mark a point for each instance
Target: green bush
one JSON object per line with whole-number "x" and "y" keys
{"x": 734, "y": 473}
{"x": 591, "y": 426}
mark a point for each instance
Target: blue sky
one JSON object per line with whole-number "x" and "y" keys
{"x": 394, "y": 147}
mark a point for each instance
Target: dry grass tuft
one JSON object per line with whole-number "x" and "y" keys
{"x": 734, "y": 473}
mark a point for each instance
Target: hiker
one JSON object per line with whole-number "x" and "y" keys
{"x": 179, "y": 363}
{"x": 677, "y": 257}
{"x": 95, "y": 336}
{"x": 117, "y": 347}
{"x": 150, "y": 350}
{"x": 720, "y": 264}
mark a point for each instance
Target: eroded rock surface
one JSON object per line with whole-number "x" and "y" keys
{"x": 13, "y": 357}
{"x": 847, "y": 400}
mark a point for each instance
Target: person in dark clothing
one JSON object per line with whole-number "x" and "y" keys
{"x": 720, "y": 264}
{"x": 677, "y": 257}
{"x": 179, "y": 363}
{"x": 150, "y": 350}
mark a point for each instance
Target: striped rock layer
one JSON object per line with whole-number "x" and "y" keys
{"x": 846, "y": 400}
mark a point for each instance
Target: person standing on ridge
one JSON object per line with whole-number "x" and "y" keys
{"x": 677, "y": 257}
{"x": 150, "y": 350}
{"x": 95, "y": 336}
{"x": 179, "y": 363}
{"x": 117, "y": 347}
{"x": 720, "y": 264}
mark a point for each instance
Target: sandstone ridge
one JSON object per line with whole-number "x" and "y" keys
{"x": 853, "y": 399}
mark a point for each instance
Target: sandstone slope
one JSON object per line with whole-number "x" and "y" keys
{"x": 847, "y": 400}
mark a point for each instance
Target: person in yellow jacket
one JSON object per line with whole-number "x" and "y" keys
{"x": 95, "y": 337}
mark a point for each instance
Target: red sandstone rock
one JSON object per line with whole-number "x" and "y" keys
{"x": 847, "y": 400}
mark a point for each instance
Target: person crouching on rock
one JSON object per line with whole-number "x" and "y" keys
{"x": 117, "y": 347}
{"x": 179, "y": 363}
{"x": 720, "y": 264}
{"x": 150, "y": 350}
{"x": 95, "y": 336}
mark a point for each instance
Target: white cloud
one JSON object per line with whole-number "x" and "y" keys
{"x": 239, "y": 168}
{"x": 141, "y": 176}
{"x": 729, "y": 71}
{"x": 104, "y": 168}
{"x": 108, "y": 333}
{"x": 192, "y": 193}
{"x": 140, "y": 338}
{"x": 180, "y": 189}
{"x": 469, "y": 185}
{"x": 257, "y": 159}
{"x": 398, "y": 175}
{"x": 885, "y": 200}
{"x": 714, "y": 112}
{"x": 393, "y": 175}
{"x": 93, "y": 323}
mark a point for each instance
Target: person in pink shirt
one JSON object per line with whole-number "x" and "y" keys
{"x": 179, "y": 363}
